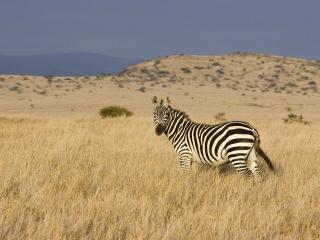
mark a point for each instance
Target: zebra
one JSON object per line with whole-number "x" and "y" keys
{"x": 234, "y": 142}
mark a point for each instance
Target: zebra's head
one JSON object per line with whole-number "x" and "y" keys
{"x": 160, "y": 114}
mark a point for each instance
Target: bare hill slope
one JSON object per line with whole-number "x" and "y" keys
{"x": 242, "y": 85}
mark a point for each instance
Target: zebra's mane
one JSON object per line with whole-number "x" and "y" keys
{"x": 185, "y": 115}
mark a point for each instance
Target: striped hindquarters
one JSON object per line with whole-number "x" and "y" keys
{"x": 216, "y": 144}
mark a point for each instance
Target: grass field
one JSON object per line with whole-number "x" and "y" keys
{"x": 114, "y": 179}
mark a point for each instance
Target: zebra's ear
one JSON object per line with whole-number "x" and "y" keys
{"x": 168, "y": 101}
{"x": 154, "y": 100}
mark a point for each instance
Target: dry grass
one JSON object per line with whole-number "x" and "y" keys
{"x": 114, "y": 179}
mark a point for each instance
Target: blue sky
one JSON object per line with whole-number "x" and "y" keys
{"x": 148, "y": 28}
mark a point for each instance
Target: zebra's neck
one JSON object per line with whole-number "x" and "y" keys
{"x": 175, "y": 122}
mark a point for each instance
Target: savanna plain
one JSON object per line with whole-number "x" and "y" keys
{"x": 68, "y": 174}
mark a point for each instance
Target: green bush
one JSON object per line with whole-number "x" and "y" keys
{"x": 114, "y": 111}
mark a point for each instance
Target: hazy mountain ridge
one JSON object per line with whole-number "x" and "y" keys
{"x": 63, "y": 64}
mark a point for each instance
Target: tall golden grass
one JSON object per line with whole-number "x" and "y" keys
{"x": 114, "y": 179}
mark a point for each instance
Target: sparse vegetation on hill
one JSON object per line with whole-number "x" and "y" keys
{"x": 239, "y": 71}
{"x": 263, "y": 73}
{"x": 228, "y": 80}
{"x": 185, "y": 70}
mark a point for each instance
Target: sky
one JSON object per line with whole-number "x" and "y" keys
{"x": 142, "y": 29}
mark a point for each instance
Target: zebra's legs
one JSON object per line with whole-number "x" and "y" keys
{"x": 252, "y": 162}
{"x": 185, "y": 161}
{"x": 241, "y": 166}
{"x": 253, "y": 166}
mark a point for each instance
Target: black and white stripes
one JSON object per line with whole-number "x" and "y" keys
{"x": 235, "y": 141}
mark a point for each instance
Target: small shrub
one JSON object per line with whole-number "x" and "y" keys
{"x": 220, "y": 117}
{"x": 163, "y": 73}
{"x": 102, "y": 75}
{"x": 294, "y": 118}
{"x": 312, "y": 83}
{"x": 49, "y": 78}
{"x": 186, "y": 70}
{"x": 290, "y": 84}
{"x": 198, "y": 67}
{"x": 42, "y": 92}
{"x": 142, "y": 89}
{"x": 220, "y": 71}
{"x": 114, "y": 111}
{"x": 14, "y": 88}
{"x": 157, "y": 61}
{"x": 144, "y": 70}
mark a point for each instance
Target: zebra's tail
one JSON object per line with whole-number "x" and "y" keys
{"x": 260, "y": 152}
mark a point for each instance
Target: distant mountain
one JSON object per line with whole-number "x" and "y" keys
{"x": 63, "y": 64}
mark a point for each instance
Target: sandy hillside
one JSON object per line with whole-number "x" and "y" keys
{"x": 241, "y": 85}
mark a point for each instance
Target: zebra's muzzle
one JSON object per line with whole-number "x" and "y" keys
{"x": 160, "y": 129}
